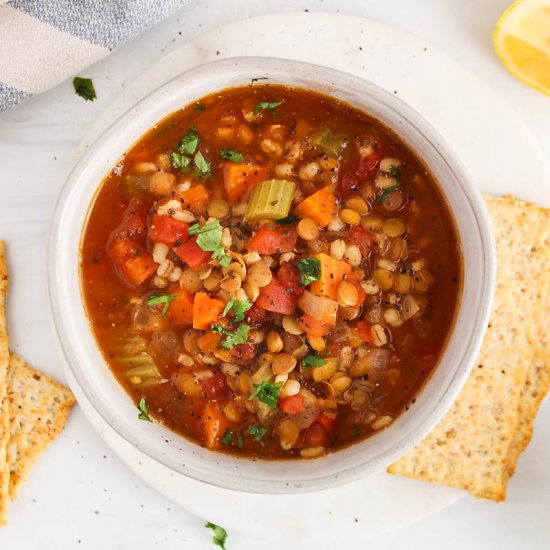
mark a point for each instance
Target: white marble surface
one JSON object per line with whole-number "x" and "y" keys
{"x": 80, "y": 496}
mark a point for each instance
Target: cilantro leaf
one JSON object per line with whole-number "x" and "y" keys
{"x": 180, "y": 162}
{"x": 238, "y": 336}
{"x": 142, "y": 408}
{"x": 231, "y": 154}
{"x": 209, "y": 239}
{"x": 266, "y": 106}
{"x": 217, "y": 327}
{"x": 267, "y": 393}
{"x": 395, "y": 172}
{"x": 189, "y": 143}
{"x": 287, "y": 220}
{"x": 202, "y": 166}
{"x": 387, "y": 192}
{"x": 199, "y": 107}
{"x": 159, "y": 299}
{"x": 310, "y": 270}
{"x": 84, "y": 87}
{"x": 220, "y": 534}
{"x": 227, "y": 437}
{"x": 312, "y": 361}
{"x": 257, "y": 432}
{"x": 237, "y": 309}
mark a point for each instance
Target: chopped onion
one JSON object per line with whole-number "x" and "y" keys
{"x": 319, "y": 307}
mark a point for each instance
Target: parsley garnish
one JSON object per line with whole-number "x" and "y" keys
{"x": 203, "y": 167}
{"x": 237, "y": 309}
{"x": 312, "y": 361}
{"x": 238, "y": 336}
{"x": 220, "y": 534}
{"x": 267, "y": 393}
{"x": 84, "y": 87}
{"x": 257, "y": 432}
{"x": 287, "y": 220}
{"x": 387, "y": 192}
{"x": 256, "y": 78}
{"x": 189, "y": 143}
{"x": 227, "y": 437}
{"x": 310, "y": 270}
{"x": 159, "y": 299}
{"x": 231, "y": 154}
{"x": 199, "y": 107}
{"x": 209, "y": 239}
{"x": 180, "y": 162}
{"x": 395, "y": 172}
{"x": 142, "y": 408}
{"x": 266, "y": 106}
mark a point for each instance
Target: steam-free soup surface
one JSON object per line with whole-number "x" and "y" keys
{"x": 271, "y": 273}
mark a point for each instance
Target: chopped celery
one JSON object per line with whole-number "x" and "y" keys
{"x": 144, "y": 371}
{"x": 270, "y": 200}
{"x": 331, "y": 144}
{"x": 131, "y": 351}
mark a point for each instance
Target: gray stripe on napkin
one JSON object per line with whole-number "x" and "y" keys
{"x": 105, "y": 23}
{"x": 10, "y": 96}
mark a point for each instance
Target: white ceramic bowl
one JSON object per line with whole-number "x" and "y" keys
{"x": 113, "y": 404}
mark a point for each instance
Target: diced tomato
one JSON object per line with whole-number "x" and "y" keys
{"x": 336, "y": 348}
{"x": 347, "y": 185}
{"x": 239, "y": 178}
{"x": 256, "y": 316}
{"x": 271, "y": 239}
{"x": 289, "y": 277}
{"x": 134, "y": 220}
{"x": 368, "y": 166}
{"x": 276, "y": 298}
{"x": 164, "y": 229}
{"x": 215, "y": 387}
{"x": 192, "y": 254}
{"x": 244, "y": 353}
{"x": 360, "y": 292}
{"x": 327, "y": 422}
{"x": 312, "y": 326}
{"x": 361, "y": 238}
{"x": 180, "y": 311}
{"x": 365, "y": 332}
{"x": 316, "y": 435}
{"x": 293, "y": 404}
{"x": 132, "y": 262}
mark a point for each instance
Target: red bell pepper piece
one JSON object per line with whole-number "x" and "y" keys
{"x": 192, "y": 254}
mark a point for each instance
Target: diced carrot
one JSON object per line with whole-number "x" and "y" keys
{"x": 312, "y": 326}
{"x": 209, "y": 342}
{"x": 214, "y": 424}
{"x": 195, "y": 197}
{"x": 302, "y": 129}
{"x": 332, "y": 274}
{"x": 320, "y": 207}
{"x": 206, "y": 310}
{"x": 239, "y": 178}
{"x": 180, "y": 311}
{"x": 294, "y": 404}
{"x": 139, "y": 268}
{"x": 327, "y": 422}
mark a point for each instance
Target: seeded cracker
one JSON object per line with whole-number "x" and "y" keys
{"x": 4, "y": 413}
{"x": 477, "y": 444}
{"x": 39, "y": 407}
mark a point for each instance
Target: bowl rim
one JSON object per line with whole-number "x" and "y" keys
{"x": 263, "y": 65}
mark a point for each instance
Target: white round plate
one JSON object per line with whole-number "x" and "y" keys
{"x": 497, "y": 150}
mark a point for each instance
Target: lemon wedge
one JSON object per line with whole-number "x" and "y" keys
{"x": 522, "y": 41}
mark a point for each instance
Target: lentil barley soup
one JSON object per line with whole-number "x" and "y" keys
{"x": 271, "y": 273}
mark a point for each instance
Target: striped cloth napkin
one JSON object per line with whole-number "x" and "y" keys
{"x": 43, "y": 42}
